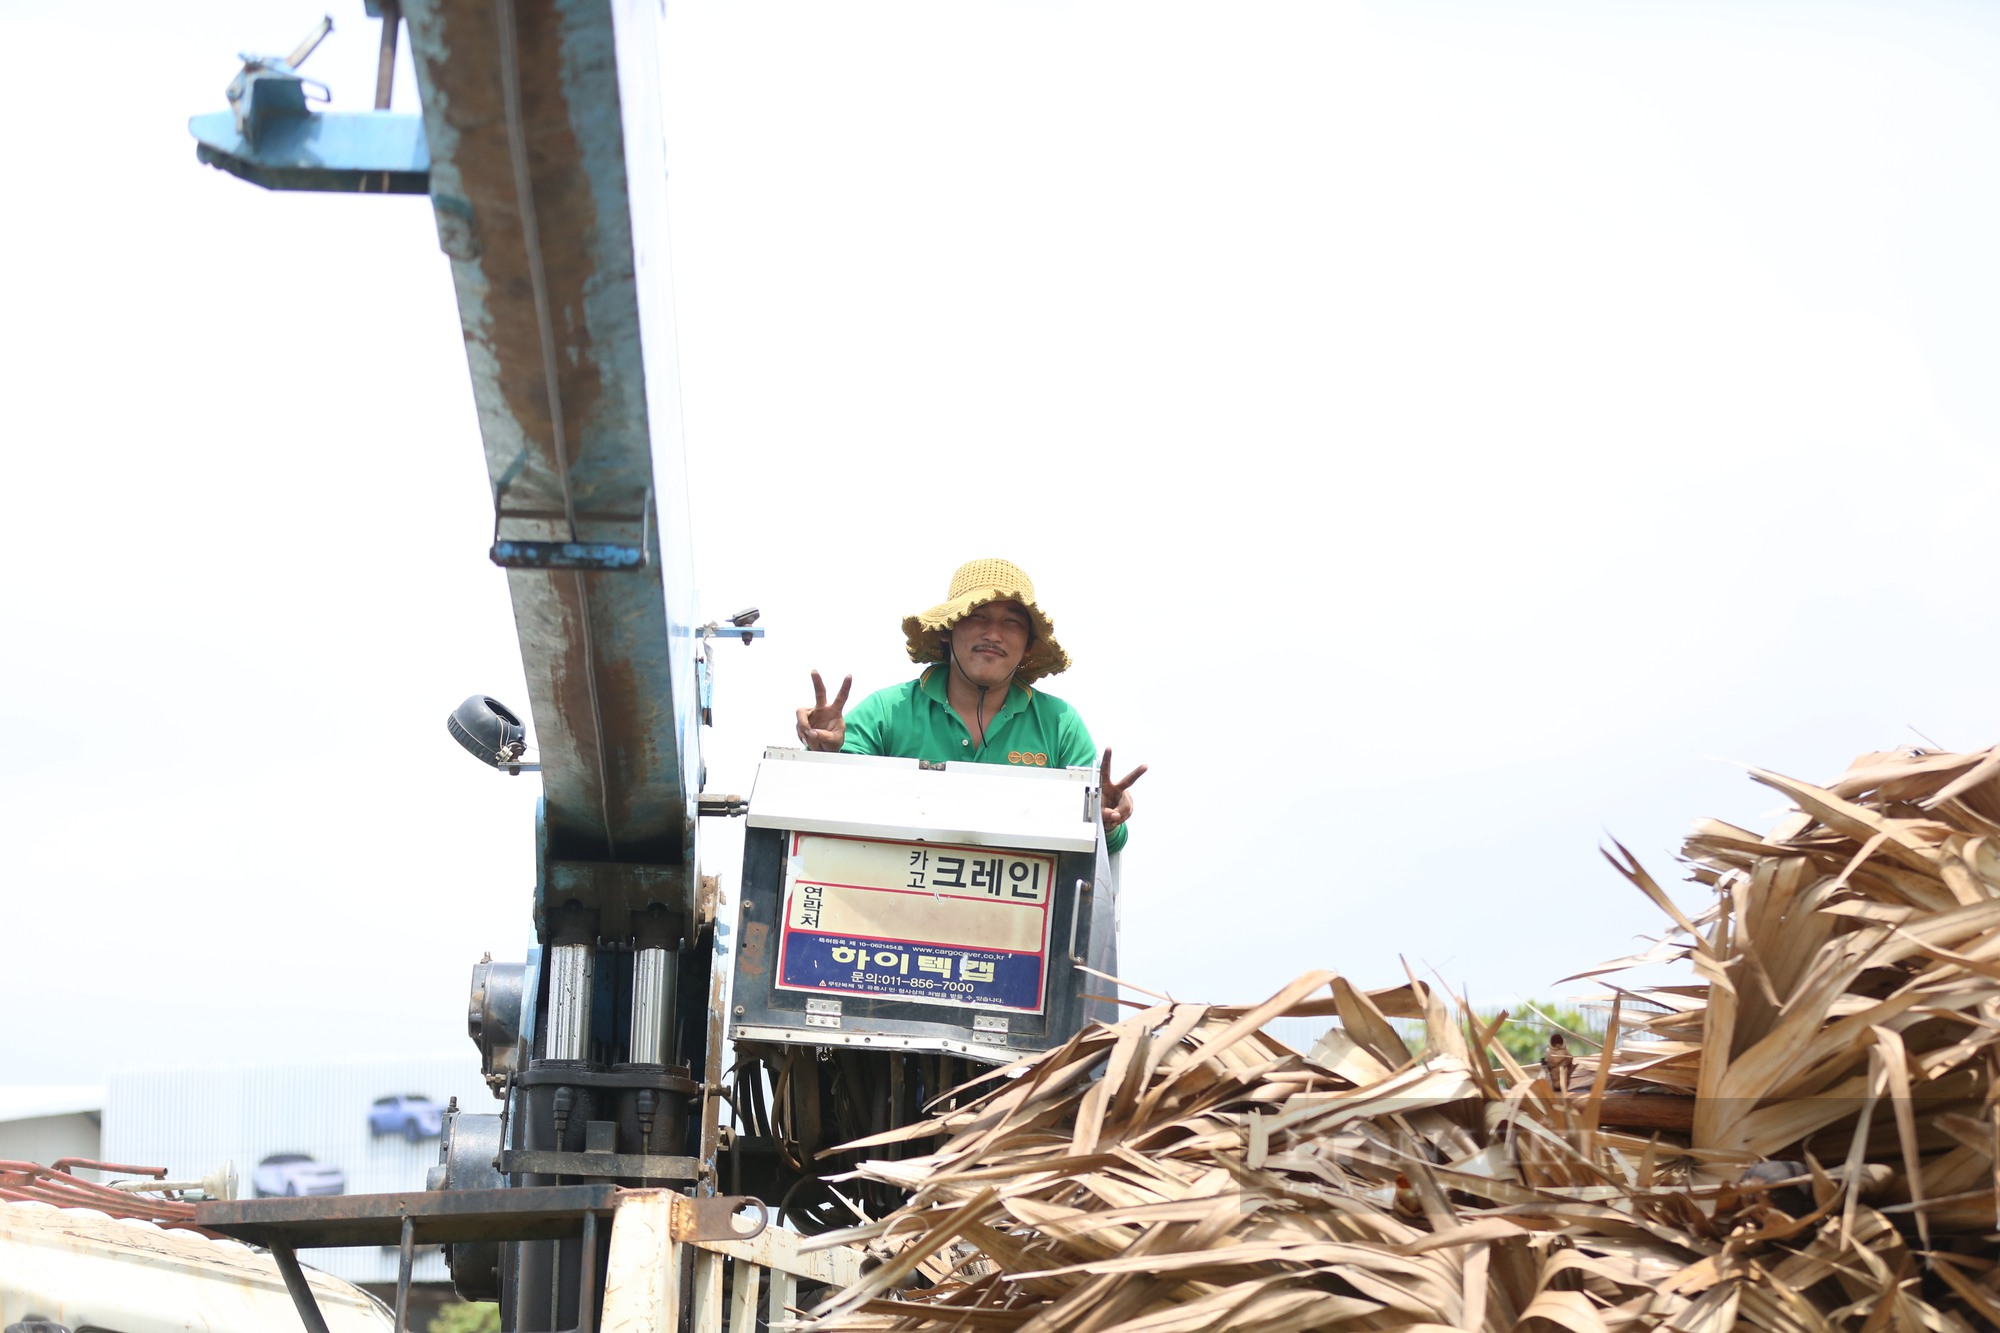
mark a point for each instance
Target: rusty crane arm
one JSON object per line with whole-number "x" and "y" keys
{"x": 548, "y": 181}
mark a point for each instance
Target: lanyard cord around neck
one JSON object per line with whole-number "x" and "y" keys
{"x": 979, "y": 709}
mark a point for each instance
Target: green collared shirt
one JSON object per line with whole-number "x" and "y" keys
{"x": 915, "y": 720}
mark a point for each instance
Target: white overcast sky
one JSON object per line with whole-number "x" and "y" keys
{"x": 1447, "y": 436}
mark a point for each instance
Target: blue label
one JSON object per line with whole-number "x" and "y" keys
{"x": 933, "y": 973}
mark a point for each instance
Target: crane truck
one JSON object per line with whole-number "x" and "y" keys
{"x": 665, "y": 1108}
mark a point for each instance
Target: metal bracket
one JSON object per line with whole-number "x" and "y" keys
{"x": 285, "y": 1226}
{"x": 714, "y": 1217}
{"x": 743, "y": 632}
{"x": 513, "y": 553}
{"x": 271, "y": 137}
{"x": 993, "y": 1052}
{"x": 270, "y": 88}
{"x": 567, "y": 555}
{"x": 1083, "y": 887}
{"x": 740, "y": 626}
{"x": 597, "y": 1165}
{"x": 822, "y": 1013}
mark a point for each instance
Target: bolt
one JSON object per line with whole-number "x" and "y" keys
{"x": 646, "y": 1104}
{"x": 739, "y": 1011}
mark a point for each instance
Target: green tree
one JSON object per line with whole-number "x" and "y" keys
{"x": 466, "y": 1317}
{"x": 1530, "y": 1023}
{"x": 1526, "y": 1032}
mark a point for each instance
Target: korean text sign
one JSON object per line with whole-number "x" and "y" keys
{"x": 916, "y": 921}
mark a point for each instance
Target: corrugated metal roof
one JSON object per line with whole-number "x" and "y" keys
{"x": 1301, "y": 1034}
{"x": 193, "y": 1120}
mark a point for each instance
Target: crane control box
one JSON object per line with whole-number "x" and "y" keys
{"x": 895, "y": 904}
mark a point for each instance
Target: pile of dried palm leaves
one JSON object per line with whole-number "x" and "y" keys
{"x": 1806, "y": 1140}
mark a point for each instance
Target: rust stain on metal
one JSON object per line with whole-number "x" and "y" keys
{"x": 565, "y": 211}
{"x": 596, "y": 721}
{"x": 30, "y": 1182}
{"x": 714, "y": 1218}
{"x": 711, "y": 1104}
{"x": 753, "y": 952}
{"x": 647, "y": 827}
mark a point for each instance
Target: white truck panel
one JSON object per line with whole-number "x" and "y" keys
{"x": 984, "y": 805}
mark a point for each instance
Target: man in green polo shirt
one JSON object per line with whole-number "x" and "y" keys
{"x": 987, "y": 640}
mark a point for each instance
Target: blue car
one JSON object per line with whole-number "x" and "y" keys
{"x": 412, "y": 1115}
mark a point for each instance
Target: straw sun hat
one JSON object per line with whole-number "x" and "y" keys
{"x": 976, "y": 583}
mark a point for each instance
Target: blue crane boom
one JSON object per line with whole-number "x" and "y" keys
{"x": 540, "y": 147}
{"x": 548, "y": 182}
{"x": 862, "y": 990}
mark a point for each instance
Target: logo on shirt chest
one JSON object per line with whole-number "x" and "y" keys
{"x": 1034, "y": 757}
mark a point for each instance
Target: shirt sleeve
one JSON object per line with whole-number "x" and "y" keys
{"x": 868, "y": 725}
{"x": 1079, "y": 751}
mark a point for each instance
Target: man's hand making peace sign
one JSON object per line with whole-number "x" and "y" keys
{"x": 1115, "y": 798}
{"x": 822, "y": 727}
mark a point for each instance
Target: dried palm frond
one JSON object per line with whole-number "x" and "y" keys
{"x": 1803, "y": 1141}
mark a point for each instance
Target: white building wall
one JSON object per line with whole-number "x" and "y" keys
{"x": 192, "y": 1120}
{"x": 1301, "y": 1034}
{"x": 48, "y": 1138}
